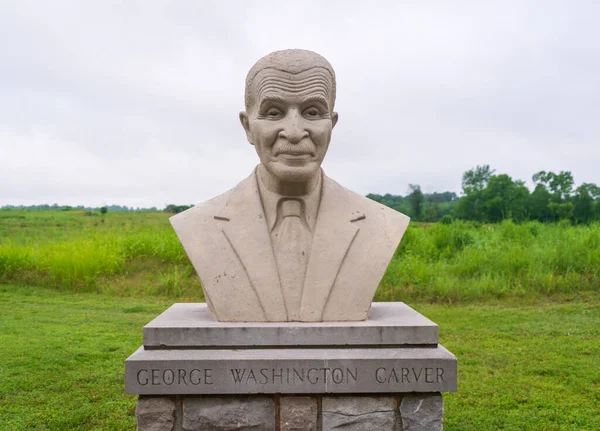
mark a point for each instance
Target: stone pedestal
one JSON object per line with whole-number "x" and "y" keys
{"x": 386, "y": 373}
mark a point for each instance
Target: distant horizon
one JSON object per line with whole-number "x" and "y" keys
{"x": 56, "y": 206}
{"x": 528, "y": 183}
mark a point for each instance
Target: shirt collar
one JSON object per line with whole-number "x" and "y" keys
{"x": 271, "y": 199}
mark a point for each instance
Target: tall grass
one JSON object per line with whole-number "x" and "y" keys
{"x": 37, "y": 251}
{"x": 464, "y": 261}
{"x": 135, "y": 253}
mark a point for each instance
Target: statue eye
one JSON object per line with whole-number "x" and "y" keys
{"x": 312, "y": 112}
{"x": 273, "y": 112}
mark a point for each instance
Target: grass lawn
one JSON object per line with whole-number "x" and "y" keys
{"x": 522, "y": 366}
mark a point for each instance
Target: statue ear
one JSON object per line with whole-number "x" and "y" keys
{"x": 334, "y": 119}
{"x": 246, "y": 125}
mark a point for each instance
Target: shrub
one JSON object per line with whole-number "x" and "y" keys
{"x": 447, "y": 219}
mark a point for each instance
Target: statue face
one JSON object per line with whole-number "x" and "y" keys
{"x": 290, "y": 122}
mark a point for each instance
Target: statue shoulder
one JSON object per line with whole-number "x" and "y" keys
{"x": 199, "y": 215}
{"x": 384, "y": 221}
{"x": 206, "y": 212}
{"x": 375, "y": 214}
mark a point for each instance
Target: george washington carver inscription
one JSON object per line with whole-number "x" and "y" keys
{"x": 187, "y": 352}
{"x": 289, "y": 376}
{"x": 283, "y": 371}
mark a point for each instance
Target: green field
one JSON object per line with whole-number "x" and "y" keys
{"x": 138, "y": 253}
{"x": 518, "y": 304}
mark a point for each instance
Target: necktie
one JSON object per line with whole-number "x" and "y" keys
{"x": 291, "y": 243}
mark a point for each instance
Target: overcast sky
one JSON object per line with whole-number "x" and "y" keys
{"x": 136, "y": 102}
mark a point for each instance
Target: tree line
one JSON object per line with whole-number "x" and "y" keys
{"x": 488, "y": 197}
{"x": 56, "y": 207}
{"x": 169, "y": 208}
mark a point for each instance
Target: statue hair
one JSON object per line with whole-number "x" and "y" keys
{"x": 292, "y": 61}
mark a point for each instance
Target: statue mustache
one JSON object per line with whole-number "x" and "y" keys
{"x": 283, "y": 146}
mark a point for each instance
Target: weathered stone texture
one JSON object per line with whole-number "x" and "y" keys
{"x": 358, "y": 413}
{"x": 389, "y": 323}
{"x": 229, "y": 414}
{"x": 155, "y": 413}
{"x": 422, "y": 412}
{"x": 298, "y": 414}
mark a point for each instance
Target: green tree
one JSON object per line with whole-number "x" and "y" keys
{"x": 103, "y": 211}
{"x": 468, "y": 208}
{"x": 474, "y": 182}
{"x": 504, "y": 198}
{"x": 560, "y": 187}
{"x": 585, "y": 201}
{"x": 561, "y": 184}
{"x": 430, "y": 211}
{"x": 416, "y": 199}
{"x": 537, "y": 204}
{"x": 476, "y": 179}
{"x": 176, "y": 209}
{"x": 561, "y": 210}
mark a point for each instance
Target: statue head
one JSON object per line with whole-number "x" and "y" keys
{"x": 289, "y": 114}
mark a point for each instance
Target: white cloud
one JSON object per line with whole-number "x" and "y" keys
{"x": 136, "y": 103}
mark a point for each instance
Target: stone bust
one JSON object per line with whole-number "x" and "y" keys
{"x": 288, "y": 243}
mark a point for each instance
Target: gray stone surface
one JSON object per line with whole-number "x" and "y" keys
{"x": 290, "y": 371}
{"x": 229, "y": 414}
{"x": 415, "y": 412}
{"x": 298, "y": 414}
{"x": 192, "y": 325}
{"x": 350, "y": 413}
{"x": 422, "y": 412}
{"x": 155, "y": 413}
{"x": 343, "y": 241}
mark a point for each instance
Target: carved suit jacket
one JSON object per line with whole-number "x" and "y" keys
{"x": 228, "y": 242}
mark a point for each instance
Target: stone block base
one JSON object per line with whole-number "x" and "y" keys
{"x": 397, "y": 412}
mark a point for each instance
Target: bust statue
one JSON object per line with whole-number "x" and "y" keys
{"x": 288, "y": 243}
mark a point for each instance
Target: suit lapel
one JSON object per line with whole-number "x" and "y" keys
{"x": 333, "y": 237}
{"x": 248, "y": 235}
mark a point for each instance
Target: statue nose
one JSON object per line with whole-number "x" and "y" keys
{"x": 293, "y": 131}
